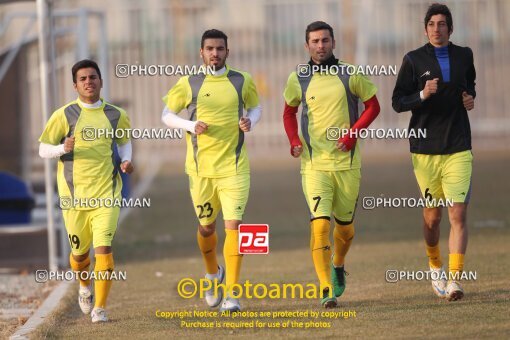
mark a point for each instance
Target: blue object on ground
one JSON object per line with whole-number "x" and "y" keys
{"x": 16, "y": 200}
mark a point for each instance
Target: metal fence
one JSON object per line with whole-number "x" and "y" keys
{"x": 265, "y": 39}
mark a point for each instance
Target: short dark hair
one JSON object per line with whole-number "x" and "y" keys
{"x": 214, "y": 34}
{"x": 437, "y": 8}
{"x": 85, "y": 63}
{"x": 317, "y": 26}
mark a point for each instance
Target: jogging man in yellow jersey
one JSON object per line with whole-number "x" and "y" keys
{"x": 330, "y": 165}
{"x": 216, "y": 160}
{"x": 88, "y": 179}
{"x": 437, "y": 83}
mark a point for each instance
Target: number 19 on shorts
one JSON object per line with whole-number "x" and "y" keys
{"x": 253, "y": 239}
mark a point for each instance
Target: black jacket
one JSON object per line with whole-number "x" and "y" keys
{"x": 443, "y": 114}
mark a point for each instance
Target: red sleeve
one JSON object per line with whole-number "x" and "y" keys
{"x": 371, "y": 111}
{"x": 291, "y": 124}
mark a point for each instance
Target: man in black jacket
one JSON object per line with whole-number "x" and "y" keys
{"x": 437, "y": 83}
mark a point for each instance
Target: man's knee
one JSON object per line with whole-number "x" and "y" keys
{"x": 232, "y": 224}
{"x": 103, "y": 250}
{"x": 457, "y": 215}
{"x": 81, "y": 258}
{"x": 432, "y": 217}
{"x": 207, "y": 230}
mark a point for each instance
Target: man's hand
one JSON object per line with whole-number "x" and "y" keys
{"x": 126, "y": 167}
{"x": 430, "y": 88}
{"x": 245, "y": 124}
{"x": 200, "y": 127}
{"x": 346, "y": 143}
{"x": 296, "y": 151}
{"x": 468, "y": 101}
{"x": 341, "y": 146}
{"x": 69, "y": 144}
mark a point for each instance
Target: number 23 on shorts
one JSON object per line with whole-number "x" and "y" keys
{"x": 205, "y": 210}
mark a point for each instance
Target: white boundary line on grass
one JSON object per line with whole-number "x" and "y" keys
{"x": 42, "y": 312}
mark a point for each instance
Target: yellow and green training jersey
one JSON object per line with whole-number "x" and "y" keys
{"x": 217, "y": 101}
{"x": 87, "y": 172}
{"x": 329, "y": 104}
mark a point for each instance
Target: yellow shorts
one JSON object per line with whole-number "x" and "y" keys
{"x": 97, "y": 225}
{"x": 334, "y": 192}
{"x": 209, "y": 195}
{"x": 444, "y": 177}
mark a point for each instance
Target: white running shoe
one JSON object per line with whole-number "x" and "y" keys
{"x": 98, "y": 315}
{"x": 454, "y": 291}
{"x": 438, "y": 279}
{"x": 210, "y": 297}
{"x": 85, "y": 299}
{"x": 231, "y": 305}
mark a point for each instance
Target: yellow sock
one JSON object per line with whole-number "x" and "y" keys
{"x": 343, "y": 235}
{"x": 232, "y": 257}
{"x": 321, "y": 250}
{"x": 434, "y": 256}
{"x": 456, "y": 266}
{"x": 82, "y": 266}
{"x": 207, "y": 247}
{"x": 104, "y": 263}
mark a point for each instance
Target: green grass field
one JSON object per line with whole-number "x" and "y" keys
{"x": 157, "y": 248}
